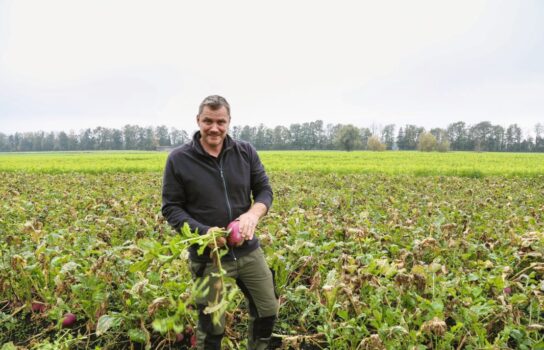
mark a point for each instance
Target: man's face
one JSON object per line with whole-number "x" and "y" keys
{"x": 214, "y": 126}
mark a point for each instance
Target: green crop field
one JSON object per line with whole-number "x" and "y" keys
{"x": 391, "y": 250}
{"x": 465, "y": 164}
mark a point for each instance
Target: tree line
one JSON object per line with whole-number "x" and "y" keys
{"x": 457, "y": 136}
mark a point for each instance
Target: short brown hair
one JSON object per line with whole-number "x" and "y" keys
{"x": 214, "y": 102}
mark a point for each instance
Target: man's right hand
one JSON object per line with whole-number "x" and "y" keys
{"x": 220, "y": 240}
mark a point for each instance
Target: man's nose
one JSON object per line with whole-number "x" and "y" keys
{"x": 214, "y": 127}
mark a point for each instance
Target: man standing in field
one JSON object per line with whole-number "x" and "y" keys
{"x": 208, "y": 183}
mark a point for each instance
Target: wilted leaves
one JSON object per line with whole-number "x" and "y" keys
{"x": 368, "y": 261}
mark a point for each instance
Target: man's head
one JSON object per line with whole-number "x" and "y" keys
{"x": 214, "y": 102}
{"x": 213, "y": 119}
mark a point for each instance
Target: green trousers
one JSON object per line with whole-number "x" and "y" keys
{"x": 256, "y": 281}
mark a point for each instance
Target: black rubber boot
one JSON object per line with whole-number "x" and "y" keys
{"x": 260, "y": 332}
{"x": 206, "y": 339}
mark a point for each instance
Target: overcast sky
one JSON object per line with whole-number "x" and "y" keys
{"x": 69, "y": 64}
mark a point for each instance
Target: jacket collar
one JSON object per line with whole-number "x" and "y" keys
{"x": 228, "y": 143}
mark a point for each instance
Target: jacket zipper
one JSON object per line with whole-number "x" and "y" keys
{"x": 226, "y": 196}
{"x": 225, "y": 188}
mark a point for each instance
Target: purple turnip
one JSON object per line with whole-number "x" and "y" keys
{"x": 68, "y": 320}
{"x": 235, "y": 237}
{"x": 37, "y": 306}
{"x": 193, "y": 341}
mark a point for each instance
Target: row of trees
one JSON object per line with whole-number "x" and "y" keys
{"x": 314, "y": 135}
{"x": 130, "y": 137}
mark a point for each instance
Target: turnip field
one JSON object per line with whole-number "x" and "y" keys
{"x": 391, "y": 250}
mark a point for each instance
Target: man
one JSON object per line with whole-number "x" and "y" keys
{"x": 208, "y": 183}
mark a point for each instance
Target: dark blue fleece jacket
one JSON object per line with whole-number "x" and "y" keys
{"x": 206, "y": 191}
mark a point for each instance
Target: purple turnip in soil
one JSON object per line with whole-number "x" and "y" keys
{"x": 68, "y": 320}
{"x": 179, "y": 337}
{"x": 38, "y": 307}
{"x": 193, "y": 341}
{"x": 235, "y": 237}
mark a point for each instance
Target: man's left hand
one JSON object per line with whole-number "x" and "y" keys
{"x": 248, "y": 222}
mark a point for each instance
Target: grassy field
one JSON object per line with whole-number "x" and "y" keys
{"x": 367, "y": 256}
{"x": 467, "y": 164}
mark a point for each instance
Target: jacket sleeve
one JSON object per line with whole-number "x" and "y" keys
{"x": 173, "y": 201}
{"x": 260, "y": 186}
